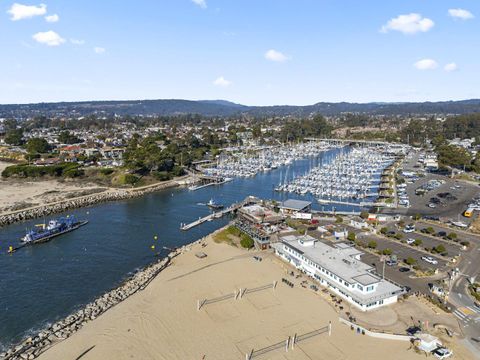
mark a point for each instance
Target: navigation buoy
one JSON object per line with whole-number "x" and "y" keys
{"x": 155, "y": 237}
{"x": 152, "y": 247}
{"x": 10, "y": 249}
{"x": 88, "y": 212}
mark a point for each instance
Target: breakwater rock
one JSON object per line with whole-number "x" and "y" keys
{"x": 82, "y": 201}
{"x": 31, "y": 347}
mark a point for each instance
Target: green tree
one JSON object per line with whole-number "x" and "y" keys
{"x": 417, "y": 242}
{"x": 351, "y": 236}
{"x": 65, "y": 137}
{"x": 37, "y": 146}
{"x": 14, "y": 137}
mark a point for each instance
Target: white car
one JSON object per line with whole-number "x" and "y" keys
{"x": 442, "y": 353}
{"x": 410, "y": 241}
{"x": 409, "y": 229}
{"x": 430, "y": 260}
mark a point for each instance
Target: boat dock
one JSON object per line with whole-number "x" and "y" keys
{"x": 359, "y": 204}
{"x": 216, "y": 215}
{"x": 210, "y": 217}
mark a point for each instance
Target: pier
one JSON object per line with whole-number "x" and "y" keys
{"x": 210, "y": 217}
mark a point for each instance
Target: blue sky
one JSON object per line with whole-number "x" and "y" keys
{"x": 255, "y": 52}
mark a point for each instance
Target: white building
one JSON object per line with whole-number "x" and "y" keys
{"x": 339, "y": 269}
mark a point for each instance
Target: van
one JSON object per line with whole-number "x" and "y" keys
{"x": 468, "y": 213}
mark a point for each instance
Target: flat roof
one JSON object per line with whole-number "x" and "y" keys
{"x": 340, "y": 260}
{"x": 294, "y": 204}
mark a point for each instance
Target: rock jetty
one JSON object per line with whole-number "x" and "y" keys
{"x": 31, "y": 347}
{"x": 81, "y": 201}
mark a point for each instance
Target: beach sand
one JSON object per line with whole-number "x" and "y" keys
{"x": 16, "y": 194}
{"x": 162, "y": 322}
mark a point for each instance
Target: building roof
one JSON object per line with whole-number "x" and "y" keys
{"x": 341, "y": 261}
{"x": 293, "y": 204}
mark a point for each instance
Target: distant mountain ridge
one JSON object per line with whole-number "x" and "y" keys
{"x": 224, "y": 108}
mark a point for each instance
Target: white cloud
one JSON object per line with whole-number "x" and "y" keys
{"x": 99, "y": 50}
{"x": 201, "y": 3}
{"x": 461, "y": 14}
{"x": 19, "y": 11}
{"x": 274, "y": 55}
{"x": 408, "y": 24}
{"x": 426, "y": 64}
{"x": 49, "y": 38}
{"x": 77, "y": 42}
{"x": 450, "y": 67}
{"x": 222, "y": 82}
{"x": 52, "y": 18}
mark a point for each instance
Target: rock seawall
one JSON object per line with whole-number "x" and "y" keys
{"x": 82, "y": 201}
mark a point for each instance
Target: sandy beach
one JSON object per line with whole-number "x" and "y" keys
{"x": 18, "y": 194}
{"x": 162, "y": 322}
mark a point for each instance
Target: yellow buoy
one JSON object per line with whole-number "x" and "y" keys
{"x": 10, "y": 249}
{"x": 152, "y": 247}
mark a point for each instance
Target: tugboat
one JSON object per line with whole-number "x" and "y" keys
{"x": 56, "y": 227}
{"x": 213, "y": 205}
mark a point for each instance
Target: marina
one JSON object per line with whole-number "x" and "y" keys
{"x": 351, "y": 178}
{"x": 121, "y": 237}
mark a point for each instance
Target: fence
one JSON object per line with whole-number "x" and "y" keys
{"x": 236, "y": 294}
{"x": 290, "y": 340}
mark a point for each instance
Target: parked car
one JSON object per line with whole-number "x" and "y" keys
{"x": 441, "y": 234}
{"x": 404, "y": 269}
{"x": 409, "y": 228}
{"x": 442, "y": 353}
{"x": 410, "y": 241}
{"x": 413, "y": 330}
{"x": 430, "y": 260}
{"x": 391, "y": 262}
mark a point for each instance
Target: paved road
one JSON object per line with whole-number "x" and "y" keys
{"x": 459, "y": 298}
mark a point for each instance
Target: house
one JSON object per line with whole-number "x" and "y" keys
{"x": 358, "y": 223}
{"x": 339, "y": 269}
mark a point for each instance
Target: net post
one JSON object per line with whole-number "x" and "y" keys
{"x": 329, "y": 328}
{"x": 274, "y": 284}
{"x": 293, "y": 341}
{"x": 287, "y": 342}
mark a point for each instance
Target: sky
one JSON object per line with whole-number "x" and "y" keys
{"x": 254, "y": 52}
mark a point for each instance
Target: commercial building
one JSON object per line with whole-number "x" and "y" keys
{"x": 339, "y": 269}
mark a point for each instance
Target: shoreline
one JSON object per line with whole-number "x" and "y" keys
{"x": 33, "y": 346}
{"x": 84, "y": 201}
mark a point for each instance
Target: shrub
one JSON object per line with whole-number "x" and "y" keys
{"x": 387, "y": 252}
{"x": 130, "y": 179}
{"x": 383, "y": 230}
{"x": 364, "y": 215}
{"x": 417, "y": 242}
{"x": 246, "y": 241}
{"x": 351, "y": 236}
{"x": 398, "y": 236}
{"x": 452, "y": 236}
{"x": 339, "y": 220}
{"x": 410, "y": 261}
{"x": 439, "y": 249}
{"x": 430, "y": 230}
{"x": 372, "y": 244}
{"x": 162, "y": 175}
{"x": 106, "y": 171}
{"x": 465, "y": 243}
